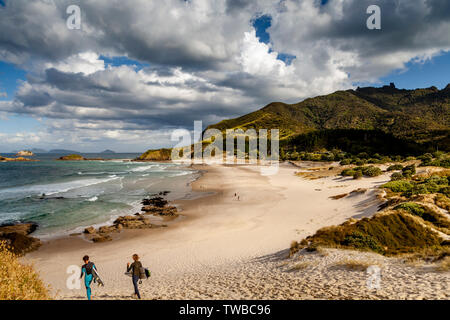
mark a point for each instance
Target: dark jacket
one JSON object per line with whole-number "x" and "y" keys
{"x": 136, "y": 267}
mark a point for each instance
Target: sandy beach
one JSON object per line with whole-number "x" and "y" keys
{"x": 225, "y": 248}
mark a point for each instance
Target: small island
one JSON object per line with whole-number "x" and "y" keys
{"x": 18, "y": 159}
{"x": 77, "y": 157}
{"x": 107, "y": 151}
{"x": 25, "y": 153}
{"x": 72, "y": 157}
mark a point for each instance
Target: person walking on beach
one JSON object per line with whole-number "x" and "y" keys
{"x": 87, "y": 270}
{"x": 137, "y": 270}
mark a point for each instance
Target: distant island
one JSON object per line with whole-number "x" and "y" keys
{"x": 77, "y": 157}
{"x": 107, "y": 151}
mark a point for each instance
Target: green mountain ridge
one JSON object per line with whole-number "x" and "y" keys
{"x": 419, "y": 119}
{"x": 382, "y": 120}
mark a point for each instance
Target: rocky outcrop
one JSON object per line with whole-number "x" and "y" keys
{"x": 156, "y": 155}
{"x": 166, "y": 211}
{"x": 158, "y": 206}
{"x": 18, "y": 159}
{"x": 104, "y": 233}
{"x": 18, "y": 237}
{"x": 90, "y": 230}
{"x": 72, "y": 157}
{"x": 25, "y": 153}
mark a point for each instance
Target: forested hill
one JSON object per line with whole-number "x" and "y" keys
{"x": 366, "y": 119}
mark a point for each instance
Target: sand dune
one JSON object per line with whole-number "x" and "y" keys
{"x": 225, "y": 248}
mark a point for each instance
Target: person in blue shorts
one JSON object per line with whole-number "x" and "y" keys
{"x": 87, "y": 271}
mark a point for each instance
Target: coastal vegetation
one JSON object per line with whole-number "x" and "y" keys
{"x": 156, "y": 155}
{"x": 358, "y": 172}
{"x": 414, "y": 219}
{"x": 18, "y": 281}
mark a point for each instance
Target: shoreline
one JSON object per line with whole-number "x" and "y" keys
{"x": 78, "y": 232}
{"x": 216, "y": 229}
{"x": 225, "y": 248}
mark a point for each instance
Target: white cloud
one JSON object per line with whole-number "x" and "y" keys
{"x": 202, "y": 59}
{"x": 85, "y": 62}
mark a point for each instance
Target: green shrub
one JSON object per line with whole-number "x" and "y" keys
{"x": 412, "y": 208}
{"x": 357, "y": 175}
{"x": 425, "y": 213}
{"x": 395, "y": 167}
{"x": 409, "y": 171}
{"x": 445, "y": 191}
{"x": 345, "y": 162}
{"x": 371, "y": 171}
{"x": 359, "y": 240}
{"x": 396, "y": 176}
{"x": 347, "y": 173}
{"x": 363, "y": 155}
{"x": 399, "y": 186}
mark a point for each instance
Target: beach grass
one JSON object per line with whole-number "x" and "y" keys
{"x": 18, "y": 281}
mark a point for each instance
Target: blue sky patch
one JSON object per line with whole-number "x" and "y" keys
{"x": 418, "y": 75}
{"x": 120, "y": 61}
{"x": 9, "y": 77}
{"x": 261, "y": 24}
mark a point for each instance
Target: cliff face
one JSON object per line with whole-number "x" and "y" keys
{"x": 156, "y": 155}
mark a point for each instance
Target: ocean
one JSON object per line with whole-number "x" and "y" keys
{"x": 83, "y": 193}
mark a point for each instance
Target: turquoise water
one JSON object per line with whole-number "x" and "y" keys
{"x": 80, "y": 194}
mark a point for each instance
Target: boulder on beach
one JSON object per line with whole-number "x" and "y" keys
{"x": 158, "y": 206}
{"x": 166, "y": 211}
{"x": 89, "y": 230}
{"x": 155, "y": 201}
{"x": 17, "y": 237}
{"x": 107, "y": 229}
{"x": 101, "y": 238}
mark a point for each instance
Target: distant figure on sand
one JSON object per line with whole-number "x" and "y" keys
{"x": 87, "y": 271}
{"x": 137, "y": 270}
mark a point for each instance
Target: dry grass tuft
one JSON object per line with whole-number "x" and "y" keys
{"x": 444, "y": 265}
{"x": 355, "y": 265}
{"x": 339, "y": 196}
{"x": 300, "y": 266}
{"x": 17, "y": 281}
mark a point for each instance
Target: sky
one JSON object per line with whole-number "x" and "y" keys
{"x": 138, "y": 70}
